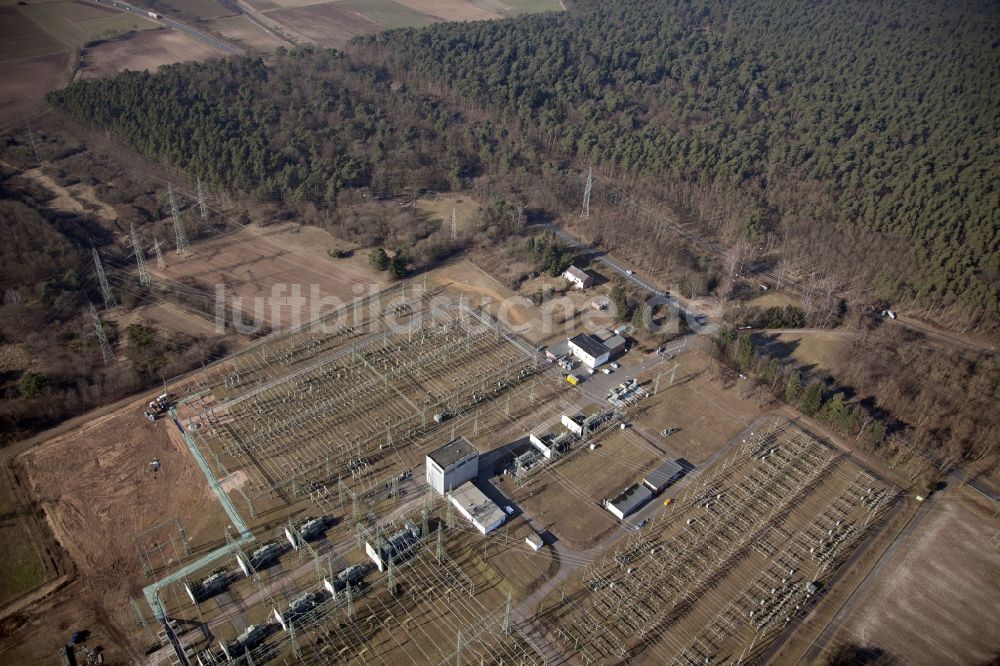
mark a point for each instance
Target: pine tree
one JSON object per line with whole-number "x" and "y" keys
{"x": 378, "y": 259}
{"x": 397, "y": 266}
{"x": 812, "y": 399}
{"x": 793, "y": 387}
{"x": 620, "y": 303}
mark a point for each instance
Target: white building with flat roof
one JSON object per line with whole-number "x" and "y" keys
{"x": 452, "y": 465}
{"x": 477, "y": 508}
{"x": 589, "y": 350}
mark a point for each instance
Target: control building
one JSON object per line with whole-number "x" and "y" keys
{"x": 452, "y": 465}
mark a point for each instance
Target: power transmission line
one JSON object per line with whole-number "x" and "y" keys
{"x": 109, "y": 297}
{"x": 101, "y": 337}
{"x": 140, "y": 258}
{"x": 201, "y": 201}
{"x": 160, "y": 261}
{"x": 179, "y": 231}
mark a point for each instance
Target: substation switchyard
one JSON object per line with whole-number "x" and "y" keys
{"x": 314, "y": 443}
{"x": 358, "y": 529}
{"x": 743, "y": 556}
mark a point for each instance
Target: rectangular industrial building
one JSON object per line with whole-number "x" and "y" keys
{"x": 477, "y": 508}
{"x": 615, "y": 344}
{"x": 452, "y": 465}
{"x": 663, "y": 476}
{"x": 629, "y": 501}
{"x": 589, "y": 350}
{"x": 558, "y": 350}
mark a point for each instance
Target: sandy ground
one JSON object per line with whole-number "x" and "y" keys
{"x": 79, "y": 199}
{"x": 279, "y": 275}
{"x": 95, "y": 487}
{"x": 567, "y": 499}
{"x": 940, "y": 594}
{"x": 706, "y": 415}
{"x": 24, "y": 83}
{"x": 175, "y": 318}
{"x": 147, "y": 50}
{"x": 465, "y": 279}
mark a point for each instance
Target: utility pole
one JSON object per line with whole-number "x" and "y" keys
{"x": 109, "y": 297}
{"x": 160, "y": 261}
{"x": 179, "y": 230}
{"x": 101, "y": 337}
{"x": 586, "y": 193}
{"x": 34, "y": 146}
{"x": 202, "y": 207}
{"x": 140, "y": 258}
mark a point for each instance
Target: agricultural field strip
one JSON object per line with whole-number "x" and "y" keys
{"x": 733, "y": 528}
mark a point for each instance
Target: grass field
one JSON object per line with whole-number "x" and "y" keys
{"x": 515, "y": 7}
{"x": 22, "y": 568}
{"x": 389, "y": 13}
{"x": 203, "y": 9}
{"x": 335, "y": 23}
{"x": 22, "y": 38}
{"x": 440, "y": 207}
{"x": 73, "y": 25}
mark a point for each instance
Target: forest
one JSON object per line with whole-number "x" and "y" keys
{"x": 51, "y": 364}
{"x": 857, "y": 139}
{"x": 849, "y": 147}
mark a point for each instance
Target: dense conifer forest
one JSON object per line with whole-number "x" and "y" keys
{"x": 878, "y": 117}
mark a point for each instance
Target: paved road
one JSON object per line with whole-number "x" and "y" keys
{"x": 628, "y": 274}
{"x": 203, "y": 37}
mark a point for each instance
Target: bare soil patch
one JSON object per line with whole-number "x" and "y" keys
{"x": 95, "y": 487}
{"x": 145, "y": 51}
{"x": 328, "y": 24}
{"x": 704, "y": 414}
{"x": 244, "y": 31}
{"x": 24, "y": 83}
{"x": 449, "y": 10}
{"x": 567, "y": 498}
{"x": 266, "y": 275}
{"x": 937, "y": 597}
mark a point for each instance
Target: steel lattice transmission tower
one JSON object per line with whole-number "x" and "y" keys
{"x": 109, "y": 297}
{"x": 101, "y": 337}
{"x": 586, "y": 193}
{"x": 161, "y": 263}
{"x": 140, "y": 258}
{"x": 175, "y": 212}
{"x": 454, "y": 225}
{"x": 202, "y": 206}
